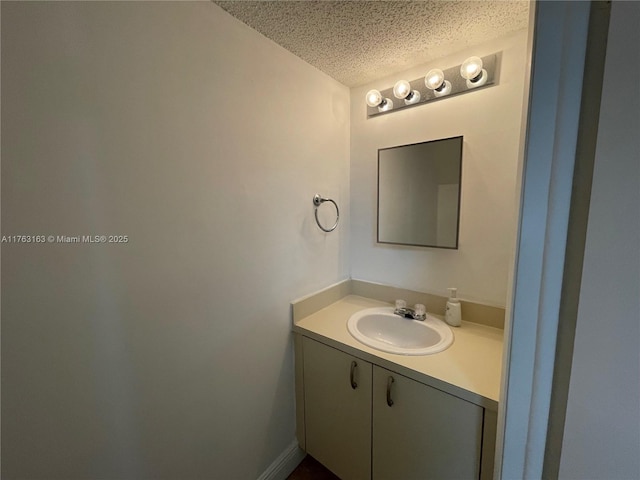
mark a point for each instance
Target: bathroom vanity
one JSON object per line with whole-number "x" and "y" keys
{"x": 368, "y": 414}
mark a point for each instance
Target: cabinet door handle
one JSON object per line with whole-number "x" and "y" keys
{"x": 389, "y": 383}
{"x": 352, "y": 376}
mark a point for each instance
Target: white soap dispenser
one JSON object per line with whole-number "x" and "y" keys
{"x": 453, "y": 313}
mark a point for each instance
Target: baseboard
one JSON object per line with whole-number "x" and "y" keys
{"x": 286, "y": 463}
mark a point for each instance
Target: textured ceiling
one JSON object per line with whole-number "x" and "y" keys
{"x": 357, "y": 42}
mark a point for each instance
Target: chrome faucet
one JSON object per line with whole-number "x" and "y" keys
{"x": 416, "y": 313}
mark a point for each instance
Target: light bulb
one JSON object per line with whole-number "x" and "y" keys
{"x": 374, "y": 98}
{"x": 434, "y": 78}
{"x": 401, "y": 89}
{"x": 471, "y": 68}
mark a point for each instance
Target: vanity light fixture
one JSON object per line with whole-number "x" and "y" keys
{"x": 402, "y": 90}
{"x": 375, "y": 99}
{"x": 471, "y": 70}
{"x": 434, "y": 80}
{"x": 437, "y": 84}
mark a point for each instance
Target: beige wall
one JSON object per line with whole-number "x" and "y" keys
{"x": 602, "y": 428}
{"x": 490, "y": 121}
{"x": 168, "y": 356}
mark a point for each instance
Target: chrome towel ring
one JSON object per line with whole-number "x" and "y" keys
{"x": 317, "y": 201}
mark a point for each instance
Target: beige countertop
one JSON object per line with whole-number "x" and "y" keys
{"x": 469, "y": 369}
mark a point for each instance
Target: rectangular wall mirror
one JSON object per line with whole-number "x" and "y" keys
{"x": 419, "y": 193}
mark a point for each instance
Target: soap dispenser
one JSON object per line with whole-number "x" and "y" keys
{"x": 453, "y": 313}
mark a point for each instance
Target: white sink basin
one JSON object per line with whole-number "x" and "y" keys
{"x": 383, "y": 330}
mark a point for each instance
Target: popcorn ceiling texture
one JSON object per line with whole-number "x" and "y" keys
{"x": 357, "y": 42}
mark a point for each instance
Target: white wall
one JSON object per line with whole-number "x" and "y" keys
{"x": 602, "y": 428}
{"x": 490, "y": 121}
{"x": 204, "y": 142}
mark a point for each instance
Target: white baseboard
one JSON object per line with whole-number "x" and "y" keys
{"x": 286, "y": 463}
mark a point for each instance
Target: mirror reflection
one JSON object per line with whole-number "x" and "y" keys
{"x": 419, "y": 193}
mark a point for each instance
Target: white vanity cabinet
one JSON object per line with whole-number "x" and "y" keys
{"x": 422, "y": 433}
{"x": 337, "y": 406}
{"x": 365, "y": 422}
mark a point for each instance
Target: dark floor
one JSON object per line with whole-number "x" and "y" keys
{"x": 311, "y": 469}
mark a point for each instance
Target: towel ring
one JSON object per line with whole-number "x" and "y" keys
{"x": 317, "y": 201}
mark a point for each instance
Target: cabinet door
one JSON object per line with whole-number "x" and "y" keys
{"x": 424, "y": 433}
{"x": 337, "y": 411}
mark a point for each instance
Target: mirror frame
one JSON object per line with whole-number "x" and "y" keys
{"x": 455, "y": 247}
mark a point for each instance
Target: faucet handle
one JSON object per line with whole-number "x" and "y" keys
{"x": 420, "y": 309}
{"x": 401, "y": 304}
